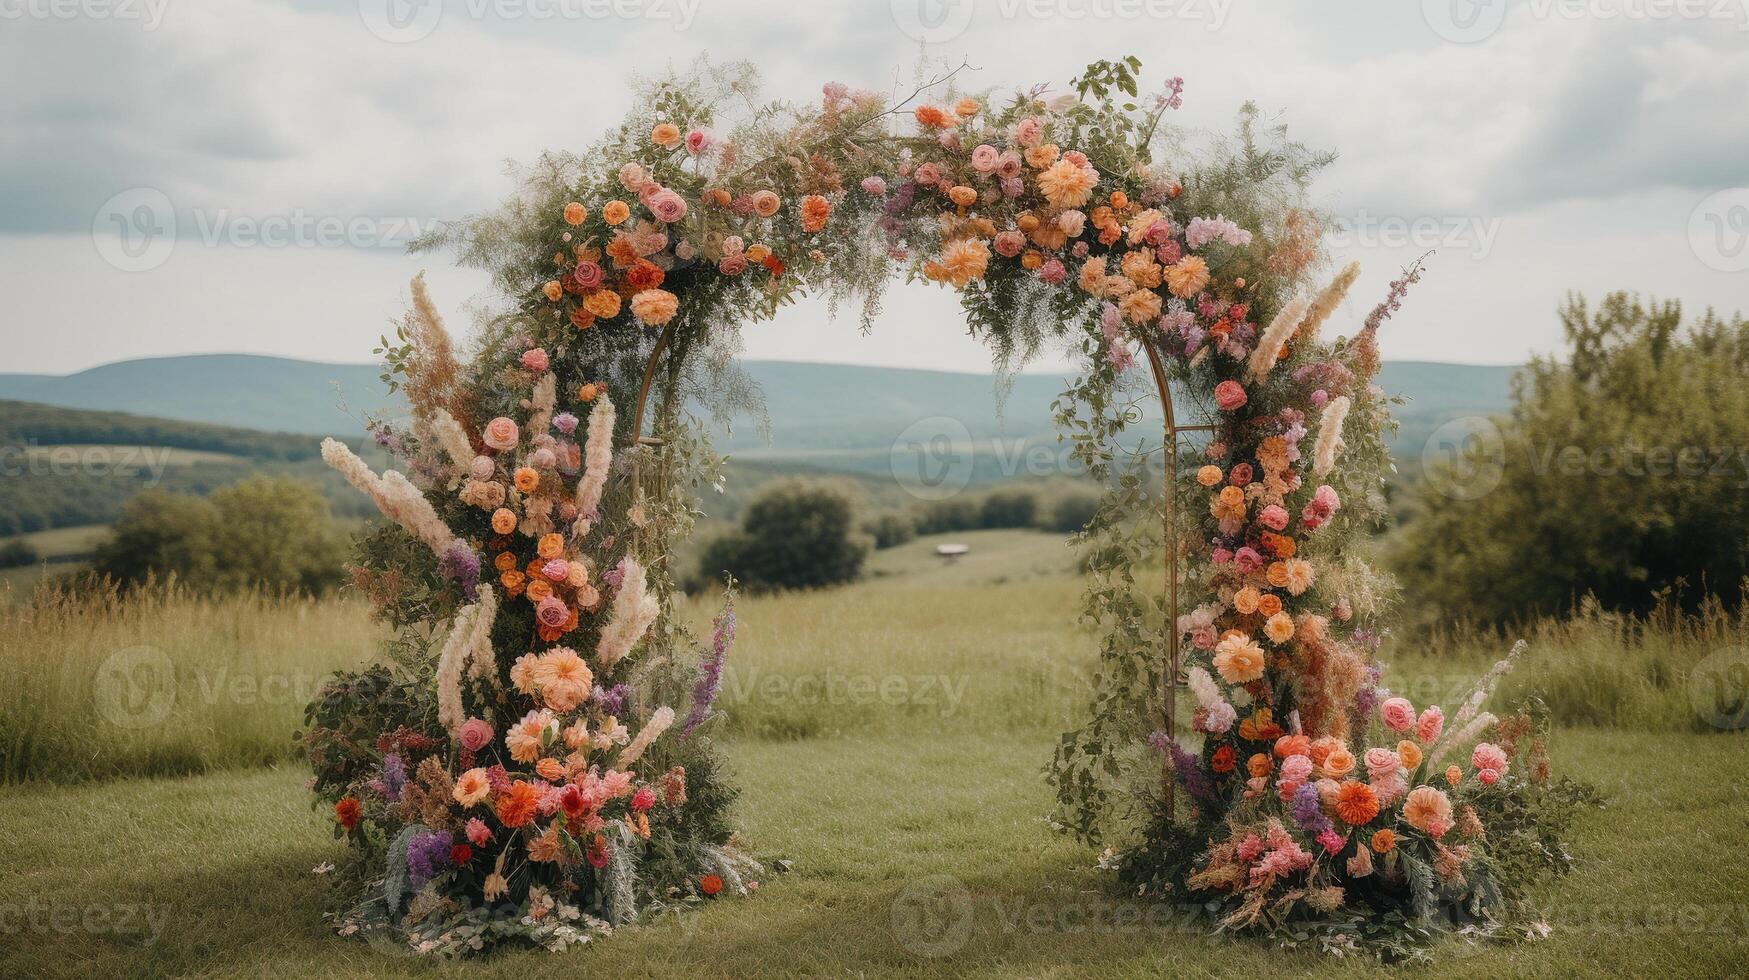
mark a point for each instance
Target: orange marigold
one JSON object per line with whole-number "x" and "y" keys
{"x": 1356, "y": 803}
{"x": 516, "y": 808}
{"x": 933, "y": 117}
{"x": 815, "y": 210}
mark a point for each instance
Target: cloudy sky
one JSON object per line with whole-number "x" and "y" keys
{"x": 1540, "y": 146}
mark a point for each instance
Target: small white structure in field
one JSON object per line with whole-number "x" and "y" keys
{"x": 952, "y": 552}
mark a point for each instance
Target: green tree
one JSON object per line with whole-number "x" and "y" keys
{"x": 16, "y": 554}
{"x": 1008, "y": 508}
{"x": 794, "y": 536}
{"x": 1621, "y": 471}
{"x": 264, "y": 531}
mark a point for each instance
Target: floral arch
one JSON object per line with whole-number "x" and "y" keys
{"x": 536, "y": 762}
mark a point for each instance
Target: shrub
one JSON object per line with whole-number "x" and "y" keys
{"x": 1008, "y": 508}
{"x": 263, "y": 532}
{"x": 1071, "y": 512}
{"x": 890, "y": 530}
{"x": 1604, "y": 480}
{"x": 16, "y": 554}
{"x": 795, "y": 536}
{"x": 952, "y": 514}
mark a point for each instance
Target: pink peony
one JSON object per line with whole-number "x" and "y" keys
{"x": 1295, "y": 770}
{"x": 1028, "y": 132}
{"x": 1053, "y": 272}
{"x": 535, "y": 359}
{"x": 557, "y": 569}
{"x": 1009, "y": 243}
{"x": 1230, "y": 396}
{"x": 1382, "y": 764}
{"x": 475, "y": 734}
{"x": 1273, "y": 517}
{"x": 643, "y": 799}
{"x": 875, "y": 185}
{"x": 1488, "y": 757}
{"x": 1430, "y": 724}
{"x": 478, "y": 833}
{"x": 1397, "y": 714}
{"x": 1488, "y": 777}
{"x": 565, "y": 422}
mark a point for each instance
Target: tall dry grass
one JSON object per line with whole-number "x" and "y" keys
{"x": 160, "y": 681}
{"x": 1670, "y": 671}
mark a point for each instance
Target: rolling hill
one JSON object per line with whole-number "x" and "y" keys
{"x": 832, "y": 416}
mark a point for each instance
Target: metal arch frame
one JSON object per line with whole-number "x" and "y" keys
{"x": 1169, "y": 630}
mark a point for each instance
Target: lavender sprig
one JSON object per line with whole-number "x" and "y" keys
{"x": 710, "y": 672}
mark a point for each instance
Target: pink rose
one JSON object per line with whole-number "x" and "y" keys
{"x": 984, "y": 158}
{"x": 632, "y": 177}
{"x": 733, "y": 264}
{"x": 1009, "y": 243}
{"x": 543, "y": 459}
{"x": 1382, "y": 764}
{"x": 482, "y": 468}
{"x": 535, "y": 359}
{"x": 475, "y": 734}
{"x": 556, "y": 569}
{"x": 1488, "y": 777}
{"x": 875, "y": 185}
{"x": 1273, "y": 517}
{"x": 1027, "y": 132}
{"x": 1489, "y": 757}
{"x": 1247, "y": 560}
{"x": 1053, "y": 272}
{"x": 1295, "y": 770}
{"x": 1221, "y": 556}
{"x": 588, "y": 275}
{"x": 1075, "y": 157}
{"x": 1241, "y": 475}
{"x": 1204, "y": 638}
{"x": 552, "y": 612}
{"x": 1430, "y": 724}
{"x": 928, "y": 174}
{"x": 1230, "y": 395}
{"x": 697, "y": 142}
{"x": 1397, "y": 714}
{"x": 1008, "y": 165}
{"x": 667, "y": 206}
{"x": 501, "y": 434}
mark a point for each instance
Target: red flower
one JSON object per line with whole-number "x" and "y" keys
{"x": 1222, "y": 760}
{"x": 643, "y": 799}
{"x": 710, "y": 885}
{"x": 597, "y": 853}
{"x": 348, "y": 812}
{"x": 461, "y": 854}
{"x": 774, "y": 265}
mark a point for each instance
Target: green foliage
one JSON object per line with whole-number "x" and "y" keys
{"x": 261, "y": 532}
{"x": 1008, "y": 508}
{"x": 1071, "y": 512}
{"x": 795, "y": 536}
{"x": 16, "y": 554}
{"x": 890, "y": 530}
{"x": 1620, "y": 473}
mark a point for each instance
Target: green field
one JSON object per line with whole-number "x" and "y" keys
{"x": 889, "y": 739}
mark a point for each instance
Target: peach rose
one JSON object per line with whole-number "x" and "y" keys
{"x": 655, "y": 306}
{"x": 766, "y": 203}
{"x": 1428, "y": 809}
{"x": 1230, "y": 395}
{"x": 575, "y": 212}
{"x": 501, "y": 434}
{"x": 1397, "y": 714}
{"x": 615, "y": 212}
{"x": 666, "y": 135}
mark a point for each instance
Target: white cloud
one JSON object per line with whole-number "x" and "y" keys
{"x": 1577, "y": 147}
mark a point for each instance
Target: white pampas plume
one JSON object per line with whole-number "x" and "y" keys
{"x": 541, "y": 405}
{"x": 1329, "y": 435}
{"x": 481, "y": 657}
{"x": 647, "y": 736}
{"x": 597, "y": 457}
{"x": 1202, "y": 688}
{"x": 451, "y": 664}
{"x": 1275, "y": 336}
{"x": 634, "y": 609}
{"x": 1462, "y": 736}
{"x": 399, "y": 500}
{"x": 453, "y": 438}
{"x": 1486, "y": 683}
{"x": 1328, "y": 299}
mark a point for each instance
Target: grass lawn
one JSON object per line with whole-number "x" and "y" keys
{"x": 915, "y": 825}
{"x": 912, "y": 856}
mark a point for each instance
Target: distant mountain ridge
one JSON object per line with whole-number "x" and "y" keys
{"x": 829, "y": 415}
